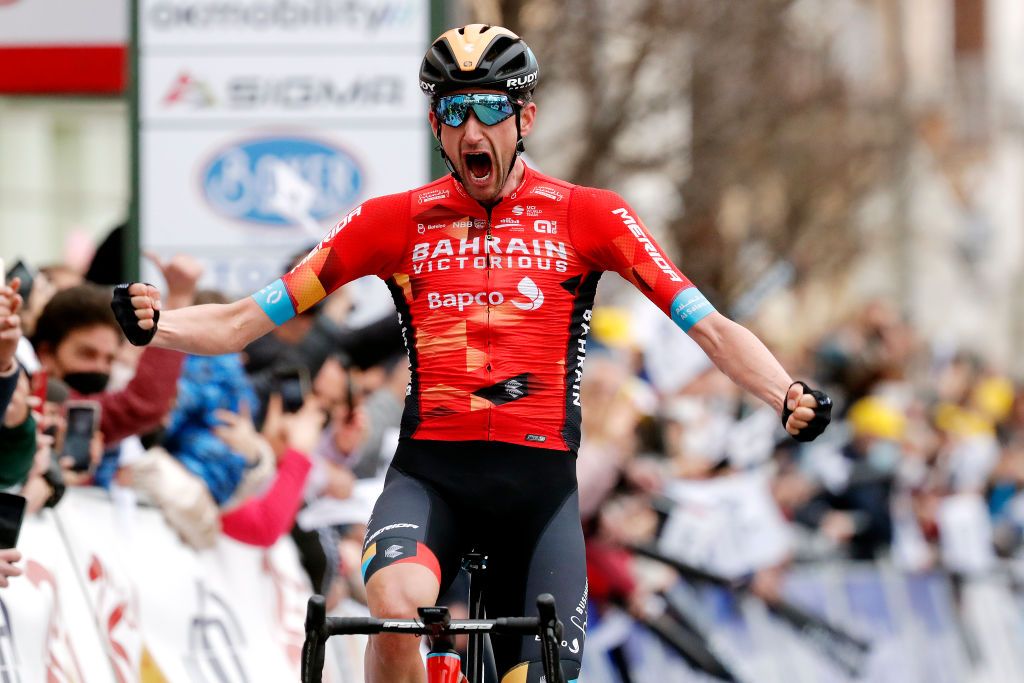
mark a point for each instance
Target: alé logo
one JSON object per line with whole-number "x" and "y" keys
{"x": 534, "y": 296}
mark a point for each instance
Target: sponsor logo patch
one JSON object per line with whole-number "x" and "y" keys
{"x": 432, "y": 196}
{"x": 463, "y": 300}
{"x": 534, "y": 296}
{"x": 389, "y": 527}
{"x": 281, "y": 181}
{"x": 549, "y": 192}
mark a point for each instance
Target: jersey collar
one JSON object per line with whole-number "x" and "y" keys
{"x": 528, "y": 175}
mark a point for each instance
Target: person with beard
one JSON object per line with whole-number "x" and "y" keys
{"x": 77, "y": 338}
{"x": 493, "y": 270}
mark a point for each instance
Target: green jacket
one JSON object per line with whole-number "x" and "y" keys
{"x": 17, "y": 450}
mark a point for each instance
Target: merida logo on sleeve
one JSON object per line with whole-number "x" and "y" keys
{"x": 649, "y": 247}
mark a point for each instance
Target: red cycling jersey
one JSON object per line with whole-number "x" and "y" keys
{"x": 495, "y": 306}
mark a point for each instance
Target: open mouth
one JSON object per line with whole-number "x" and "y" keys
{"x": 479, "y": 165}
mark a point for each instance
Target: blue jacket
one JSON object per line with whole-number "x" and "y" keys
{"x": 209, "y": 383}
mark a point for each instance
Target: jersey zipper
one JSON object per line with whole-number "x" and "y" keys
{"x": 487, "y": 336}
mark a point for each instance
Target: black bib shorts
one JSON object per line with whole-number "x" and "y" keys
{"x": 518, "y": 505}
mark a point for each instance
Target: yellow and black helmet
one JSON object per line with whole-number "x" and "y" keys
{"x": 479, "y": 56}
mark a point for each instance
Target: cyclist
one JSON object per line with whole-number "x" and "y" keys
{"x": 493, "y": 269}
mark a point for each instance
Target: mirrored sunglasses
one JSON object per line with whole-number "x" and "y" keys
{"x": 490, "y": 109}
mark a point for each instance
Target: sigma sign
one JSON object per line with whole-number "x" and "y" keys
{"x": 281, "y": 181}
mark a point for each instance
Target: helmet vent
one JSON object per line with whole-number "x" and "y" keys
{"x": 497, "y": 47}
{"x": 518, "y": 63}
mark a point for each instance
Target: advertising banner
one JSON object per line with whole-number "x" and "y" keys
{"x": 263, "y": 122}
{"x": 58, "y": 22}
{"x": 312, "y": 25}
{"x": 165, "y": 612}
{"x": 55, "y": 46}
{"x": 48, "y": 633}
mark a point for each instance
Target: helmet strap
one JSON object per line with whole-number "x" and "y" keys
{"x": 444, "y": 156}
{"x": 520, "y": 147}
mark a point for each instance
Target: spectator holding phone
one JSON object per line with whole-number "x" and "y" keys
{"x": 77, "y": 339}
{"x": 264, "y": 518}
{"x": 316, "y": 335}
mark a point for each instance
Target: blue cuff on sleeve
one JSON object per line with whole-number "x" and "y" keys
{"x": 275, "y": 302}
{"x": 689, "y": 308}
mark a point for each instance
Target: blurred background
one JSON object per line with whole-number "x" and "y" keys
{"x": 842, "y": 176}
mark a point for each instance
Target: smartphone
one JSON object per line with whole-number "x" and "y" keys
{"x": 12, "y": 513}
{"x": 293, "y": 385}
{"x": 83, "y": 419}
{"x": 27, "y": 275}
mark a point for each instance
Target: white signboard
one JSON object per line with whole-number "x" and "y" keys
{"x": 59, "y": 22}
{"x": 47, "y": 634}
{"x": 728, "y": 525}
{"x": 312, "y": 25}
{"x": 331, "y": 88}
{"x": 263, "y": 122}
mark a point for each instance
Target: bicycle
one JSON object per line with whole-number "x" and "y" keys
{"x": 443, "y": 663}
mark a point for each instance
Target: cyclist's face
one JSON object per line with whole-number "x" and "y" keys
{"x": 482, "y": 154}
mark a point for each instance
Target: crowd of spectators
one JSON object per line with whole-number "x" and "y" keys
{"x": 921, "y": 468}
{"x": 219, "y": 444}
{"x": 925, "y": 456}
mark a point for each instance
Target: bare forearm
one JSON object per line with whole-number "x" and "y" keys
{"x": 208, "y": 329}
{"x": 738, "y": 353}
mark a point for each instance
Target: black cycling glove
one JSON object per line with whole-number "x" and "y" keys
{"x": 121, "y": 302}
{"x": 822, "y": 414}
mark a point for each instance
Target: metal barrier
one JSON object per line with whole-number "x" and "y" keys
{"x": 922, "y": 627}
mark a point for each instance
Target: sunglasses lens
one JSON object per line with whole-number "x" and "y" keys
{"x": 452, "y": 110}
{"x": 493, "y": 111}
{"x": 489, "y": 109}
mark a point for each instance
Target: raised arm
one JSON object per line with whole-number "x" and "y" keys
{"x": 614, "y": 239}
{"x": 368, "y": 241}
{"x": 211, "y": 329}
{"x": 744, "y": 359}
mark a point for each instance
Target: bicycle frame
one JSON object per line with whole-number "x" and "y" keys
{"x": 434, "y": 622}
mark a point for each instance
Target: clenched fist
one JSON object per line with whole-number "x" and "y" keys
{"x": 137, "y": 305}
{"x": 806, "y": 412}
{"x": 137, "y": 309}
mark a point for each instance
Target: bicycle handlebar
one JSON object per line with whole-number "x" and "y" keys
{"x": 313, "y": 650}
{"x": 338, "y": 626}
{"x": 320, "y": 627}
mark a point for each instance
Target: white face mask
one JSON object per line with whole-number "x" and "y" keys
{"x": 120, "y": 375}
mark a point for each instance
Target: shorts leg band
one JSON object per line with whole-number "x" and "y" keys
{"x": 388, "y": 551}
